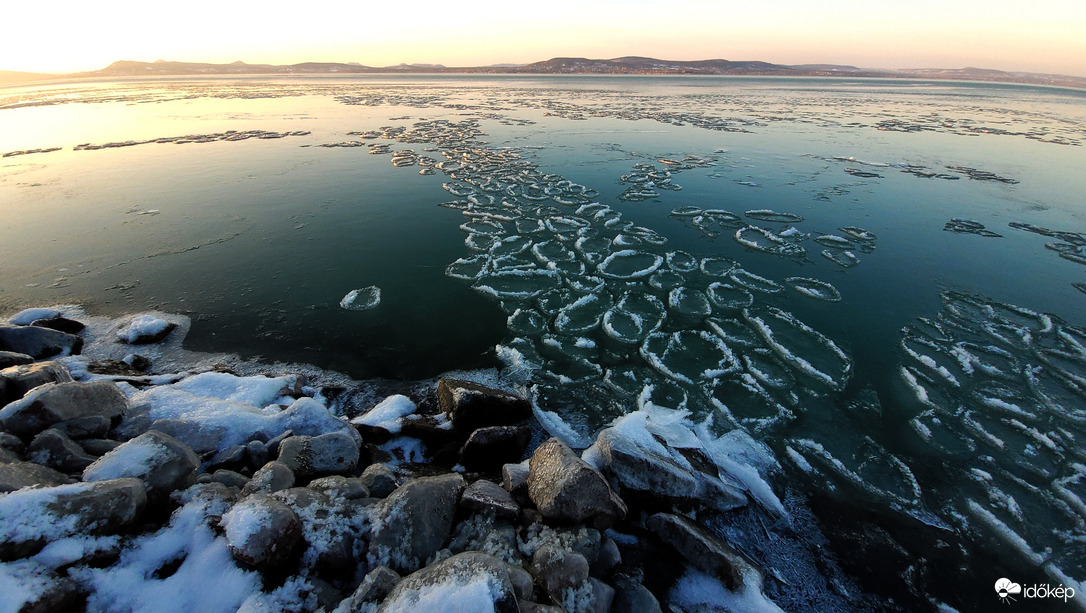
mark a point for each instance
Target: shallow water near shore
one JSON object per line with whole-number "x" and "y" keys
{"x": 678, "y": 242}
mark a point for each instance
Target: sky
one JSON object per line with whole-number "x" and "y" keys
{"x": 67, "y": 36}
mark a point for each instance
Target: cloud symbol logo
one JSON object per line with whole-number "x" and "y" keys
{"x": 1005, "y": 588}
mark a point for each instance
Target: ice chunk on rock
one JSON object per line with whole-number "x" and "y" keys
{"x": 145, "y": 329}
{"x": 388, "y": 413}
{"x": 29, "y": 316}
{"x": 361, "y": 299}
{"x": 262, "y": 531}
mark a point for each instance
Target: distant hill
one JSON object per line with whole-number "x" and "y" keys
{"x": 8, "y": 77}
{"x": 632, "y": 65}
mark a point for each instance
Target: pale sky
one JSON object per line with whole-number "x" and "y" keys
{"x": 66, "y": 36}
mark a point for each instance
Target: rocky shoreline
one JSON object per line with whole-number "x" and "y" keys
{"x": 137, "y": 476}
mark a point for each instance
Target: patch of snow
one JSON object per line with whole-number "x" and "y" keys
{"x": 388, "y": 413}
{"x": 697, "y": 591}
{"x": 29, "y": 316}
{"x": 142, "y": 325}
{"x": 21, "y": 582}
{"x": 258, "y": 391}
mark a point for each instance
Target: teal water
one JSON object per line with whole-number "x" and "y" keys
{"x": 963, "y": 451}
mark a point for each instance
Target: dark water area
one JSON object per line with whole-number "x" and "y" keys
{"x": 882, "y": 281}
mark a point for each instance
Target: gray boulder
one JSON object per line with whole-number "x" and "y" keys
{"x": 667, "y": 479}
{"x": 12, "y": 443}
{"x": 340, "y": 486}
{"x": 31, "y": 517}
{"x": 53, "y": 403}
{"x": 379, "y": 480}
{"x": 472, "y": 406}
{"x": 535, "y": 607}
{"x": 16, "y": 381}
{"x": 632, "y": 597}
{"x": 262, "y": 531}
{"x": 488, "y": 448}
{"x": 98, "y": 446}
{"x": 599, "y": 598}
{"x": 17, "y": 475}
{"x": 229, "y": 478}
{"x": 558, "y": 570}
{"x": 701, "y": 549}
{"x": 272, "y": 477}
{"x": 309, "y": 456}
{"x": 7, "y": 456}
{"x": 38, "y": 343}
{"x": 10, "y": 358}
{"x": 522, "y": 580}
{"x": 563, "y": 486}
{"x": 374, "y": 588}
{"x": 54, "y": 449}
{"x": 489, "y": 498}
{"x": 90, "y": 426}
{"x": 414, "y": 522}
{"x": 163, "y": 463}
{"x": 443, "y": 584}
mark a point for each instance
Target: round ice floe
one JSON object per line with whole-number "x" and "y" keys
{"x": 583, "y": 315}
{"x": 593, "y": 249}
{"x": 688, "y": 301}
{"x": 361, "y": 299}
{"x": 764, "y": 366}
{"x": 627, "y": 240}
{"x": 869, "y": 467}
{"x": 527, "y": 225}
{"x": 512, "y": 245}
{"x": 527, "y": 321}
{"x": 646, "y": 306}
{"x": 813, "y": 288}
{"x": 480, "y": 242}
{"x": 483, "y": 226}
{"x": 690, "y": 356}
{"x": 774, "y": 216}
{"x": 760, "y": 239}
{"x": 552, "y": 251}
{"x": 512, "y": 262}
{"x": 518, "y": 284}
{"x": 846, "y": 259}
{"x": 625, "y": 381}
{"x": 802, "y": 347}
{"x": 735, "y": 333}
{"x": 559, "y": 347}
{"x": 564, "y": 224}
{"x": 623, "y": 326}
{"x": 666, "y": 280}
{"x": 468, "y": 268}
{"x": 726, "y": 219}
{"x": 834, "y": 242}
{"x": 753, "y": 282}
{"x": 681, "y": 261}
{"x": 584, "y": 284}
{"x": 858, "y": 234}
{"x": 630, "y": 264}
{"x": 716, "y": 267}
{"x": 686, "y": 211}
{"x": 728, "y": 297}
{"x": 743, "y": 400}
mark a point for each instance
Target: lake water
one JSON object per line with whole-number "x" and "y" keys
{"x": 882, "y": 280}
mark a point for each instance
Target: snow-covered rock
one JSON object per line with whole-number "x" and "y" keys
{"x": 262, "y": 531}
{"x": 163, "y": 463}
{"x": 29, "y": 316}
{"x": 563, "y": 486}
{"x": 700, "y": 549}
{"x": 270, "y": 478}
{"x": 28, "y": 587}
{"x": 388, "y": 413}
{"x": 29, "y": 518}
{"x": 470, "y": 581}
{"x": 374, "y": 588}
{"x": 145, "y": 329}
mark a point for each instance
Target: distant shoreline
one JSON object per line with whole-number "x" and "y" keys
{"x": 629, "y": 66}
